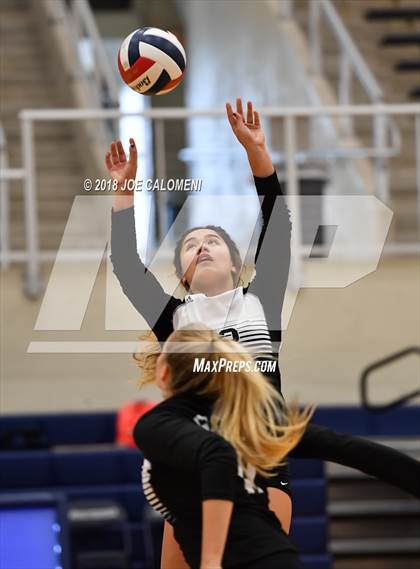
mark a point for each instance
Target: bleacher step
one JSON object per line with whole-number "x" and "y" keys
{"x": 377, "y": 562}
{"x": 354, "y": 508}
{"x": 375, "y": 527}
{"x": 373, "y": 546}
{"x": 368, "y": 36}
{"x": 29, "y": 81}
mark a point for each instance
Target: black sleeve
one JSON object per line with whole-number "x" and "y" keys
{"x": 374, "y": 459}
{"x": 272, "y": 262}
{"x": 138, "y": 283}
{"x": 272, "y": 258}
{"x": 280, "y": 480}
{"x": 164, "y": 437}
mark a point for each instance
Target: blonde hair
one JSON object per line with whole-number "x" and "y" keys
{"x": 248, "y": 411}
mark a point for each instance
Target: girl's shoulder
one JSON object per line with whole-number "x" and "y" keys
{"x": 183, "y": 405}
{"x": 188, "y": 404}
{"x": 170, "y": 415}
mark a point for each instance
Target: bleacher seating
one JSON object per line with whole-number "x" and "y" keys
{"x": 403, "y": 421}
{"x": 115, "y": 475}
{"x": 396, "y": 13}
{"x": 372, "y": 524}
{"x": 411, "y": 17}
{"x": 59, "y": 429}
{"x": 103, "y": 472}
{"x": 112, "y": 473}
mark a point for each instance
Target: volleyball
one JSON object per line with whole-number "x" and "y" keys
{"x": 151, "y": 61}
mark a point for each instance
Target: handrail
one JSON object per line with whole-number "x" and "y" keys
{"x": 4, "y": 203}
{"x": 377, "y": 365}
{"x": 351, "y": 62}
{"x": 289, "y": 115}
{"x": 323, "y": 154}
{"x": 349, "y": 52}
{"x": 176, "y": 113}
{"x": 83, "y": 15}
{"x": 345, "y": 40}
{"x": 351, "y": 65}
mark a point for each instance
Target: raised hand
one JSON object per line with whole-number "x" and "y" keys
{"x": 122, "y": 170}
{"x": 248, "y": 132}
{"x": 119, "y": 167}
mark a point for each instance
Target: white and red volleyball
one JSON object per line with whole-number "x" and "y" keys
{"x": 151, "y": 61}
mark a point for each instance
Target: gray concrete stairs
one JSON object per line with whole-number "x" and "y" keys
{"x": 367, "y": 36}
{"x": 381, "y": 60}
{"x": 29, "y": 81}
{"x": 373, "y": 525}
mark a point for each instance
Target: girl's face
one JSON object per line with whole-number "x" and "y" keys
{"x": 206, "y": 262}
{"x": 163, "y": 376}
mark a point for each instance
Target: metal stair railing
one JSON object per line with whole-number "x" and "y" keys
{"x": 351, "y": 66}
{"x": 378, "y": 365}
{"x": 84, "y": 27}
{"x": 4, "y": 204}
{"x": 98, "y": 89}
{"x": 289, "y": 115}
{"x": 6, "y": 174}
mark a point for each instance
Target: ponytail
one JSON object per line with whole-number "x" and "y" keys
{"x": 248, "y": 411}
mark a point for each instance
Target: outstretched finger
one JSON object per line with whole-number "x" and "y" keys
{"x": 121, "y": 153}
{"x": 239, "y": 108}
{"x": 114, "y": 153}
{"x": 108, "y": 160}
{"x": 230, "y": 114}
{"x": 257, "y": 119}
{"x": 133, "y": 151}
{"x": 239, "y": 120}
{"x": 249, "y": 113}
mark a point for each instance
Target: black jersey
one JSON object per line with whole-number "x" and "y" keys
{"x": 250, "y": 315}
{"x": 185, "y": 463}
{"x": 259, "y": 329}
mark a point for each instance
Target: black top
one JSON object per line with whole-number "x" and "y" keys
{"x": 269, "y": 285}
{"x": 185, "y": 463}
{"x": 256, "y": 324}
{"x": 250, "y": 315}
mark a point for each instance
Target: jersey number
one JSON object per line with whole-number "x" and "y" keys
{"x": 230, "y": 333}
{"x": 248, "y": 476}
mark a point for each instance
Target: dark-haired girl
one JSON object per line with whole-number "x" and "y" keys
{"x": 209, "y": 266}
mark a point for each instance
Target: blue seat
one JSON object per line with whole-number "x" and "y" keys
{"x": 306, "y": 468}
{"x": 107, "y": 467}
{"x": 64, "y": 428}
{"x": 404, "y": 421}
{"x": 346, "y": 419}
{"x": 26, "y": 470}
{"x": 140, "y": 539}
{"x": 99, "y": 427}
{"x": 310, "y": 534}
{"x": 316, "y": 561}
{"x": 130, "y": 464}
{"x": 34, "y": 469}
{"x": 129, "y": 495}
{"x": 309, "y": 496}
{"x": 49, "y": 468}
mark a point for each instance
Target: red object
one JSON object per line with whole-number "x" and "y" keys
{"x": 136, "y": 70}
{"x": 127, "y": 417}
